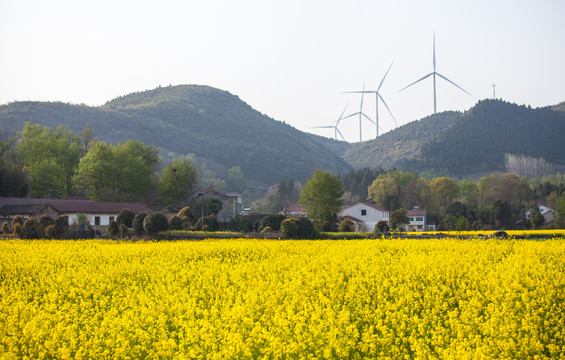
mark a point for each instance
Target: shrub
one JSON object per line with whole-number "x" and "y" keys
{"x": 266, "y": 230}
{"x": 273, "y": 221}
{"x": 62, "y": 227}
{"x": 51, "y": 232}
{"x": 137, "y": 223}
{"x": 176, "y": 223}
{"x": 186, "y": 212}
{"x": 381, "y": 227}
{"x": 5, "y": 228}
{"x": 17, "y": 220}
{"x": 32, "y": 229}
{"x": 125, "y": 217}
{"x": 326, "y": 226}
{"x": 155, "y": 223}
{"x": 210, "y": 224}
{"x": 123, "y": 230}
{"x": 289, "y": 228}
{"x": 18, "y": 231}
{"x": 113, "y": 228}
{"x": 241, "y": 223}
{"x": 346, "y": 225}
{"x": 46, "y": 220}
{"x": 297, "y": 228}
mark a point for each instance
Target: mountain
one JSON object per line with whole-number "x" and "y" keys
{"x": 219, "y": 128}
{"x": 464, "y": 144}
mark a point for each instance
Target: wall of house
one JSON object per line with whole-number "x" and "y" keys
{"x": 367, "y": 214}
{"x": 104, "y": 219}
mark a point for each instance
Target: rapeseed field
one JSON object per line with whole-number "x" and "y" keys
{"x": 253, "y": 299}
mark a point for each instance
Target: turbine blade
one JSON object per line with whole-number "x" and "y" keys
{"x": 343, "y": 112}
{"x": 417, "y": 81}
{"x": 340, "y": 134}
{"x": 434, "y": 51}
{"x": 390, "y": 112}
{"x": 446, "y": 79}
{"x": 368, "y": 118}
{"x": 321, "y": 127}
{"x": 384, "y": 77}
{"x": 348, "y": 116}
{"x": 362, "y": 93}
{"x": 359, "y": 92}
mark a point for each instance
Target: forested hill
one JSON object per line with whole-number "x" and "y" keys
{"x": 464, "y": 144}
{"x": 219, "y": 128}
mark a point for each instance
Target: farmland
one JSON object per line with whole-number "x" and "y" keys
{"x": 246, "y": 298}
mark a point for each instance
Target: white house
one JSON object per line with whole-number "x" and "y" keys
{"x": 548, "y": 214}
{"x": 98, "y": 213}
{"x": 418, "y": 220}
{"x": 365, "y": 215}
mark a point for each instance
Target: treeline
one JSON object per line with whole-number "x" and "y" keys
{"x": 494, "y": 201}
{"x": 41, "y": 162}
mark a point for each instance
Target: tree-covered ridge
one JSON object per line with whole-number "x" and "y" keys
{"x": 480, "y": 138}
{"x": 395, "y": 147}
{"x": 220, "y": 129}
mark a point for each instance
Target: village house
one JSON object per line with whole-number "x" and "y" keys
{"x": 364, "y": 215}
{"x": 99, "y": 214}
{"x": 231, "y": 202}
{"x": 418, "y": 220}
{"x": 548, "y": 214}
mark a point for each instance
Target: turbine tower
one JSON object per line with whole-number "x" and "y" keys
{"x": 377, "y": 97}
{"x": 336, "y": 130}
{"x": 361, "y": 114}
{"x": 434, "y": 73}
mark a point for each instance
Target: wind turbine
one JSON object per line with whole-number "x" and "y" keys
{"x": 377, "y": 97}
{"x": 434, "y": 73}
{"x": 361, "y": 114}
{"x": 336, "y": 130}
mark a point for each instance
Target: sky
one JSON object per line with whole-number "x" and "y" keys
{"x": 291, "y": 59}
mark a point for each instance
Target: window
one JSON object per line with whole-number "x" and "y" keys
{"x": 420, "y": 227}
{"x": 411, "y": 219}
{"x": 363, "y": 212}
{"x": 111, "y": 218}
{"x": 420, "y": 219}
{"x": 97, "y": 220}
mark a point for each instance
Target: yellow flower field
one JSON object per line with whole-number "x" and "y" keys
{"x": 225, "y": 299}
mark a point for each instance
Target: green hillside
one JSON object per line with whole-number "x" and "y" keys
{"x": 462, "y": 144}
{"x": 216, "y": 126}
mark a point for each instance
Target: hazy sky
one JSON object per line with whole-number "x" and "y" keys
{"x": 288, "y": 59}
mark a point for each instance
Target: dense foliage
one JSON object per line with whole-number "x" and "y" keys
{"x": 216, "y": 126}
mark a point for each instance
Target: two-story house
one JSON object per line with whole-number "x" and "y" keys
{"x": 365, "y": 215}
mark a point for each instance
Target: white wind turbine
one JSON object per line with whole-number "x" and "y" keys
{"x": 361, "y": 114}
{"x": 434, "y": 73}
{"x": 377, "y": 97}
{"x": 336, "y": 130}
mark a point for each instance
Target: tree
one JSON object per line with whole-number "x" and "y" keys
{"x": 178, "y": 181}
{"x": 137, "y": 223}
{"x": 117, "y": 173}
{"x": 382, "y": 227}
{"x": 383, "y": 191}
{"x": 398, "y": 218}
{"x": 444, "y": 190}
{"x": 536, "y": 218}
{"x": 502, "y": 213}
{"x": 560, "y": 210}
{"x": 462, "y": 224}
{"x": 322, "y": 195}
{"x": 50, "y": 158}
{"x": 236, "y": 179}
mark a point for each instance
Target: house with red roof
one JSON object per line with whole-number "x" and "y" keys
{"x": 98, "y": 213}
{"x": 364, "y": 215}
{"x": 418, "y": 220}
